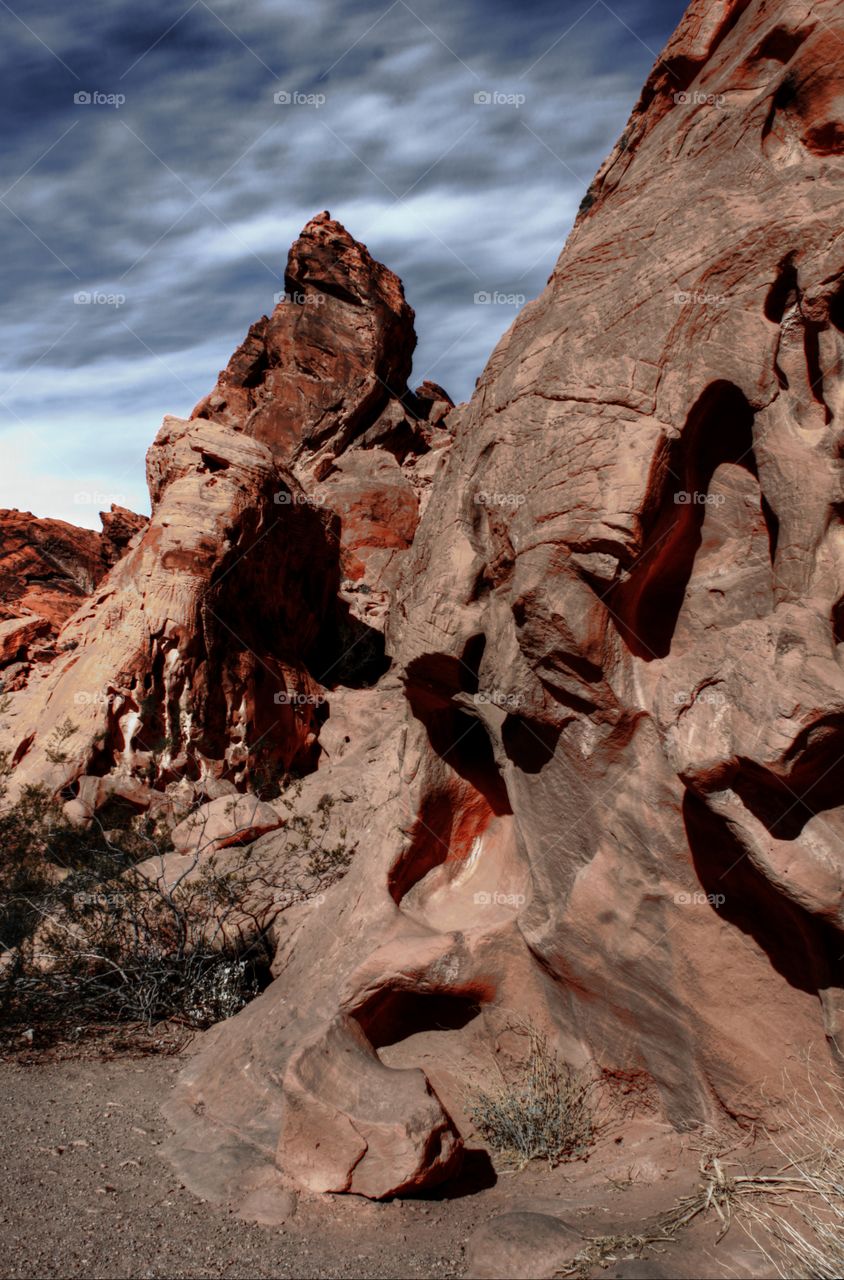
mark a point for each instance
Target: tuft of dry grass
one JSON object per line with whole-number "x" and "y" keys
{"x": 543, "y": 1111}
{"x": 793, "y": 1214}
{"x": 802, "y": 1225}
{"x": 720, "y": 1193}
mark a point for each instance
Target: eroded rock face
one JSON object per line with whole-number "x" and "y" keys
{"x": 600, "y": 785}
{"x": 47, "y": 569}
{"x": 208, "y": 652}
{"x": 608, "y": 794}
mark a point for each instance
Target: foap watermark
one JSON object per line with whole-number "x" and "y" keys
{"x": 498, "y": 98}
{"x": 98, "y": 298}
{"x": 495, "y": 298}
{"x": 285, "y": 699}
{"x": 95, "y": 98}
{"x": 495, "y": 698}
{"x": 296, "y": 897}
{"x": 100, "y": 500}
{"x": 295, "y": 98}
{"x": 284, "y": 498}
{"x": 687, "y": 498}
{"x": 700, "y": 899}
{"x": 95, "y": 698}
{"x": 486, "y": 499}
{"x": 697, "y": 298}
{"x": 695, "y": 98}
{"x": 99, "y": 899}
{"x": 299, "y": 299}
{"x": 709, "y": 698}
{"x": 483, "y": 898}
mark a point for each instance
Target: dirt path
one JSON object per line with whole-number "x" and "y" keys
{"x": 85, "y": 1193}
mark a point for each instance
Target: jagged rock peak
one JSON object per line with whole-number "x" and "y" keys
{"x": 311, "y": 449}
{"x": 336, "y": 349}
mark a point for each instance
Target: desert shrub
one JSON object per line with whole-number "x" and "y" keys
{"x": 62, "y": 734}
{"x": 95, "y": 928}
{"x": 89, "y": 933}
{"x": 540, "y": 1111}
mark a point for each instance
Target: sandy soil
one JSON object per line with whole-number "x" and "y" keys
{"x": 87, "y": 1194}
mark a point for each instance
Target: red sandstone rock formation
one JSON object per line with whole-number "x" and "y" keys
{"x": 284, "y": 386}
{"x": 599, "y": 786}
{"x": 47, "y": 568}
{"x": 119, "y": 528}
{"x": 262, "y": 578}
{"x": 609, "y": 797}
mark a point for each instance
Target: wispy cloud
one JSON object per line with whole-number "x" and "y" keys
{"x": 175, "y": 206}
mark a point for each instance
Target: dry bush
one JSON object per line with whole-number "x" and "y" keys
{"x": 96, "y": 928}
{"x": 540, "y": 1111}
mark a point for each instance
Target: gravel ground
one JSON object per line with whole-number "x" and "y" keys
{"x": 86, "y": 1194}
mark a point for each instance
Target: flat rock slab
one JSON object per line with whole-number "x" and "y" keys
{"x": 521, "y": 1246}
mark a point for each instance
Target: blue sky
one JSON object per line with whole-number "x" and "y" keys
{"x": 172, "y": 195}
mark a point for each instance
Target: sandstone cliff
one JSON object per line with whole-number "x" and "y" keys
{"x": 609, "y": 788}
{"x": 569, "y": 657}
{"x": 47, "y": 568}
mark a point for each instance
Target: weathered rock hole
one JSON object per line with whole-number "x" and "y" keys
{"x": 838, "y": 621}
{"x": 783, "y": 98}
{"x": 779, "y": 45}
{"x": 801, "y": 948}
{"x": 429, "y": 846}
{"x": 815, "y": 785}
{"x": 836, "y": 308}
{"x": 473, "y": 653}
{"x": 456, "y": 736}
{"x": 391, "y": 1016}
{"x": 460, "y": 807}
{"x": 212, "y": 463}
{"x": 783, "y": 293}
{"x": 772, "y": 524}
{"x": 529, "y": 744}
{"x": 647, "y": 605}
{"x": 452, "y": 818}
{"x": 349, "y": 652}
{"x": 463, "y": 742}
